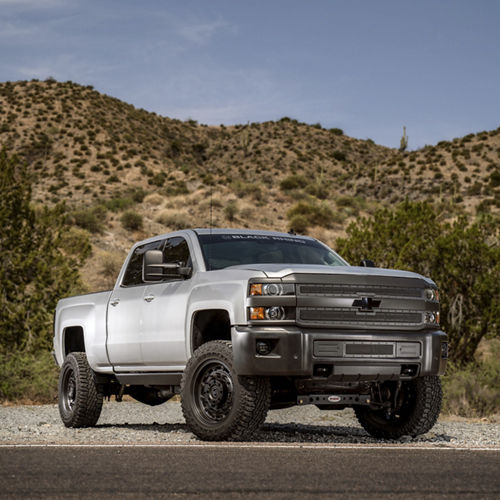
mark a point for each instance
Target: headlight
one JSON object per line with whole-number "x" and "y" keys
{"x": 270, "y": 313}
{"x": 431, "y": 294}
{"x": 272, "y": 289}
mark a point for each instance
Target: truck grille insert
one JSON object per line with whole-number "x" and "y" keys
{"x": 344, "y": 289}
{"x": 361, "y": 302}
{"x": 340, "y": 315}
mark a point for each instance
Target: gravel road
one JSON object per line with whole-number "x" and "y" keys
{"x": 135, "y": 423}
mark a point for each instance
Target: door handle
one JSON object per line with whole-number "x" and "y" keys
{"x": 115, "y": 302}
{"x": 149, "y": 298}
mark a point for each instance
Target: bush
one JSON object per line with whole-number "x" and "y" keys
{"x": 339, "y": 155}
{"x": 28, "y": 376}
{"x": 337, "y": 131}
{"x": 174, "y": 220}
{"x": 248, "y": 189}
{"x": 131, "y": 221}
{"x": 319, "y": 190}
{"x": 92, "y": 219}
{"x": 118, "y": 204}
{"x": 306, "y": 214}
{"x": 474, "y": 390}
{"x": 37, "y": 268}
{"x": 299, "y": 224}
{"x": 462, "y": 257}
{"x": 293, "y": 182}
{"x": 177, "y": 188}
{"x": 231, "y": 210}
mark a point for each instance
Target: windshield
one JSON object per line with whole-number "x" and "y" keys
{"x": 225, "y": 250}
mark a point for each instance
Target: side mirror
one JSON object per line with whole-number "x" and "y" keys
{"x": 154, "y": 270}
{"x": 152, "y": 266}
{"x": 367, "y": 263}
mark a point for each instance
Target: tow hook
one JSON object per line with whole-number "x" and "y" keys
{"x": 334, "y": 399}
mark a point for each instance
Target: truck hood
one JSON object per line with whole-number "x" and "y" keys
{"x": 282, "y": 270}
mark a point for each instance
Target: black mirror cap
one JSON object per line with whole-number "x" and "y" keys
{"x": 367, "y": 263}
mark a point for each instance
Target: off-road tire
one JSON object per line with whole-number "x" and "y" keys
{"x": 80, "y": 398}
{"x": 219, "y": 405}
{"x": 420, "y": 411}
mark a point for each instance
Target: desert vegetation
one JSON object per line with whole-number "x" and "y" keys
{"x": 95, "y": 174}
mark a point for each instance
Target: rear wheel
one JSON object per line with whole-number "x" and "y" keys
{"x": 216, "y": 403}
{"x": 409, "y": 410}
{"x": 80, "y": 398}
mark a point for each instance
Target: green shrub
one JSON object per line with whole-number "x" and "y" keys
{"x": 337, "y": 131}
{"x": 118, "y": 204}
{"x": 177, "y": 188}
{"x": 247, "y": 189}
{"x": 231, "y": 210}
{"x": 28, "y": 376}
{"x": 474, "y": 390}
{"x": 92, "y": 219}
{"x": 462, "y": 257}
{"x": 132, "y": 221}
{"x": 495, "y": 179}
{"x": 339, "y": 155}
{"x": 174, "y": 220}
{"x": 299, "y": 224}
{"x": 312, "y": 214}
{"x": 319, "y": 190}
{"x": 293, "y": 182}
{"x": 37, "y": 268}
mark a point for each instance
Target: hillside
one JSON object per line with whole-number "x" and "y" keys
{"x": 126, "y": 174}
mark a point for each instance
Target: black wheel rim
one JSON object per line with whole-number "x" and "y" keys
{"x": 212, "y": 392}
{"x": 69, "y": 390}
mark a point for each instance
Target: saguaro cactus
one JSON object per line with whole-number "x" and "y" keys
{"x": 403, "y": 143}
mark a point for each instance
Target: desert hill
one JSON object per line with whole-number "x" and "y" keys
{"x": 126, "y": 174}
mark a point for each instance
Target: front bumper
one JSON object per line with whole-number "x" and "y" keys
{"x": 339, "y": 355}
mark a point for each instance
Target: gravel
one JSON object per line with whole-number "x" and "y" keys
{"x": 135, "y": 423}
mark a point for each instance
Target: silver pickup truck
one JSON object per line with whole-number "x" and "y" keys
{"x": 241, "y": 321}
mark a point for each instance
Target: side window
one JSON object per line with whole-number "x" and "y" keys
{"x": 177, "y": 250}
{"x": 133, "y": 273}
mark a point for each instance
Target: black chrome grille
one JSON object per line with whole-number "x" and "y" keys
{"x": 345, "y": 289}
{"x": 359, "y": 301}
{"x": 344, "y": 315}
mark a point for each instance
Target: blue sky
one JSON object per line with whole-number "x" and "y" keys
{"x": 368, "y": 67}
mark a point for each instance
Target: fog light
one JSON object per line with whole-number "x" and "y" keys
{"x": 275, "y": 313}
{"x": 262, "y": 347}
{"x": 430, "y": 318}
{"x": 431, "y": 294}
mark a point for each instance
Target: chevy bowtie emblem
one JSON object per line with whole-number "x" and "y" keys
{"x": 366, "y": 303}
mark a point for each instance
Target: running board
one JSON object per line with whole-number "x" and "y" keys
{"x": 334, "y": 399}
{"x": 149, "y": 378}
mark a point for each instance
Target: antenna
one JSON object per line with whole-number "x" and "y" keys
{"x": 211, "y": 189}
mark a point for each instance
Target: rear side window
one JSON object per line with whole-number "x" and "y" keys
{"x": 133, "y": 273}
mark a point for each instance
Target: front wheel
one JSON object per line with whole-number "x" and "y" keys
{"x": 80, "y": 399}
{"x": 409, "y": 410}
{"x": 217, "y": 404}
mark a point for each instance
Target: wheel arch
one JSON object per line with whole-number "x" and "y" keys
{"x": 209, "y": 324}
{"x": 73, "y": 340}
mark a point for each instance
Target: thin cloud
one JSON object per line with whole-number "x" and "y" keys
{"x": 202, "y": 33}
{"x": 33, "y": 4}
